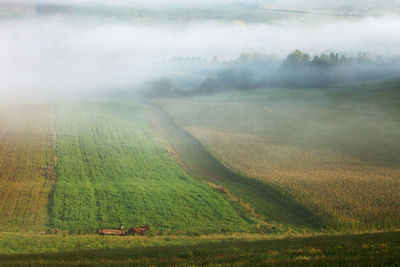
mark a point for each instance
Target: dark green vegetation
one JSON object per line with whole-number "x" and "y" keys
{"x": 258, "y": 70}
{"x": 335, "y": 151}
{"x": 112, "y": 169}
{"x": 379, "y": 249}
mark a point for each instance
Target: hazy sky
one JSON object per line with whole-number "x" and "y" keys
{"x": 60, "y": 55}
{"x": 295, "y": 4}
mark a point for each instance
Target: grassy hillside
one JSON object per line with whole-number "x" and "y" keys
{"x": 112, "y": 169}
{"x": 27, "y": 140}
{"x": 336, "y": 151}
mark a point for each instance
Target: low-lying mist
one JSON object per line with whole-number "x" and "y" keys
{"x": 48, "y": 57}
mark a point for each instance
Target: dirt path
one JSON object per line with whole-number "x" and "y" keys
{"x": 271, "y": 204}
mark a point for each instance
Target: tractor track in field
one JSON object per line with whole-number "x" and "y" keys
{"x": 193, "y": 156}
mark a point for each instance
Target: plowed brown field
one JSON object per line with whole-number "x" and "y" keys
{"x": 27, "y": 159}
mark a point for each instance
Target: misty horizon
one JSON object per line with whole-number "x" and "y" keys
{"x": 59, "y": 55}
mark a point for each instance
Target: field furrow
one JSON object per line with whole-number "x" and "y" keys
{"x": 336, "y": 151}
{"x": 274, "y": 207}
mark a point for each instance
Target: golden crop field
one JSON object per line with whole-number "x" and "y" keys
{"x": 336, "y": 152}
{"x": 27, "y": 158}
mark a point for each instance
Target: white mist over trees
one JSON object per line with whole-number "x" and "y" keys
{"x": 45, "y": 53}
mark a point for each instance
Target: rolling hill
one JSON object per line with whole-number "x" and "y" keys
{"x": 335, "y": 151}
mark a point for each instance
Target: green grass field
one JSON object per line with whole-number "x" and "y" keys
{"x": 378, "y": 249}
{"x": 111, "y": 169}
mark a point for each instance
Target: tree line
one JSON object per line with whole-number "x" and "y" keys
{"x": 256, "y": 70}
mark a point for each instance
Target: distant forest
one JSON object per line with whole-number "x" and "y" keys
{"x": 256, "y": 70}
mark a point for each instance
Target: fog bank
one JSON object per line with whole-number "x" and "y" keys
{"x": 61, "y": 56}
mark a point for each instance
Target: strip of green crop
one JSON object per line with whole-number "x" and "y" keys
{"x": 373, "y": 249}
{"x": 112, "y": 169}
